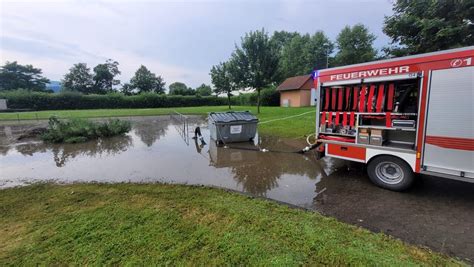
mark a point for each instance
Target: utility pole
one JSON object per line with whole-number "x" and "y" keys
{"x": 327, "y": 58}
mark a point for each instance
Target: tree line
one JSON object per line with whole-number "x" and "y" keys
{"x": 102, "y": 79}
{"x": 262, "y": 60}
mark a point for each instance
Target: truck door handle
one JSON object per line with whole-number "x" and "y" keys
{"x": 344, "y": 148}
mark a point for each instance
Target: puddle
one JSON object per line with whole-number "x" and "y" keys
{"x": 436, "y": 213}
{"x": 156, "y": 151}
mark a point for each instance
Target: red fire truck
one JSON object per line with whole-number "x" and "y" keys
{"x": 401, "y": 116}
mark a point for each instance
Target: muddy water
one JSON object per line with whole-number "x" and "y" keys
{"x": 156, "y": 151}
{"x": 435, "y": 213}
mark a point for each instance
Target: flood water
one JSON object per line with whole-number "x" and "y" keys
{"x": 436, "y": 213}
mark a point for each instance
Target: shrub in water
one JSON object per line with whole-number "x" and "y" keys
{"x": 113, "y": 127}
{"x": 80, "y": 130}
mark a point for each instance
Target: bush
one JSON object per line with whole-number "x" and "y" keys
{"x": 80, "y": 130}
{"x": 268, "y": 97}
{"x": 21, "y": 99}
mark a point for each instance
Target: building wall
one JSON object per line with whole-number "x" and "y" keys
{"x": 305, "y": 98}
{"x": 298, "y": 98}
{"x": 292, "y": 95}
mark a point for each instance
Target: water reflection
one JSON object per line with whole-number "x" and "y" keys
{"x": 258, "y": 172}
{"x": 4, "y": 150}
{"x": 62, "y": 153}
{"x": 199, "y": 145}
{"x": 150, "y": 131}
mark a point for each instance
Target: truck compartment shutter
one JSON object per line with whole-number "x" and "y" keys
{"x": 449, "y": 133}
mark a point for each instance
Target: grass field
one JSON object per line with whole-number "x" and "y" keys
{"x": 150, "y": 224}
{"x": 127, "y": 224}
{"x": 295, "y": 127}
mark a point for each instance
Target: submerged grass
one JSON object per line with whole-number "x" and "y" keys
{"x": 140, "y": 224}
{"x": 80, "y": 130}
{"x": 295, "y": 127}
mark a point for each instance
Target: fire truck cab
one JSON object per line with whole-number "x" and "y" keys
{"x": 402, "y": 116}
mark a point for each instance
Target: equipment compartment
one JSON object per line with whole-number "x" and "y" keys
{"x": 345, "y": 151}
{"x": 349, "y": 112}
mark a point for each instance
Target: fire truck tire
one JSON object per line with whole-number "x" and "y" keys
{"x": 391, "y": 173}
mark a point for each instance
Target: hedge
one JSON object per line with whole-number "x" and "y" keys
{"x": 46, "y": 101}
{"x": 268, "y": 97}
{"x": 22, "y": 99}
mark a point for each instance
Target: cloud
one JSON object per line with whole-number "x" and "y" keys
{"x": 130, "y": 62}
{"x": 44, "y": 49}
{"x": 179, "y": 40}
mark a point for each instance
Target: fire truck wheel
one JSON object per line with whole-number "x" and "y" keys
{"x": 390, "y": 173}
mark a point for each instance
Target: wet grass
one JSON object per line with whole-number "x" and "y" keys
{"x": 295, "y": 127}
{"x": 139, "y": 224}
{"x": 78, "y": 130}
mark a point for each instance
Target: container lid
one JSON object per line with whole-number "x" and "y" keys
{"x": 232, "y": 116}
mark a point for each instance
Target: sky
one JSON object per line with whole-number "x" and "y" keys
{"x": 179, "y": 40}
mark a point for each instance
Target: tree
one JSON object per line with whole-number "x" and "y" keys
{"x": 146, "y": 81}
{"x": 255, "y": 62}
{"x": 426, "y": 25}
{"x": 222, "y": 80}
{"x": 319, "y": 50}
{"x": 15, "y": 76}
{"x": 104, "y": 75}
{"x": 127, "y": 89}
{"x": 355, "y": 45}
{"x": 294, "y": 58}
{"x": 179, "y": 88}
{"x": 79, "y": 78}
{"x": 204, "y": 90}
{"x": 305, "y": 53}
{"x": 280, "y": 39}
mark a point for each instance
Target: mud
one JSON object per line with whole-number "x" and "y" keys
{"x": 436, "y": 213}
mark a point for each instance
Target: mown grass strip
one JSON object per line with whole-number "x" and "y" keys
{"x": 143, "y": 224}
{"x": 296, "y": 127}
